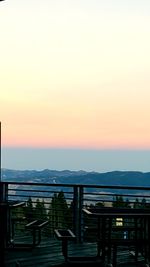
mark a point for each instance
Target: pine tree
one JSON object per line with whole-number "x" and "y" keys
{"x": 59, "y": 213}
{"x": 29, "y": 210}
{"x": 40, "y": 210}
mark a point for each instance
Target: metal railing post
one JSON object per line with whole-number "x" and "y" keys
{"x": 3, "y": 192}
{"x": 80, "y": 214}
{"x": 78, "y": 219}
{"x": 75, "y": 211}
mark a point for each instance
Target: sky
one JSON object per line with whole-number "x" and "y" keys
{"x": 74, "y": 84}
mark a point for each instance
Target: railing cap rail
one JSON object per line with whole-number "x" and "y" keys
{"x": 78, "y": 185}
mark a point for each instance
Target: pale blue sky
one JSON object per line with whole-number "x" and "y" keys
{"x": 75, "y": 159}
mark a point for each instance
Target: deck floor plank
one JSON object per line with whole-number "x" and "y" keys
{"x": 49, "y": 254}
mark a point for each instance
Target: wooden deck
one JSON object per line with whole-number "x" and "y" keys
{"x": 49, "y": 254}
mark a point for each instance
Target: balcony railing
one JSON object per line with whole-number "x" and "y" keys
{"x": 62, "y": 205}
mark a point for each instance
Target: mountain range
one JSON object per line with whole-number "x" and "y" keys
{"x": 124, "y": 178}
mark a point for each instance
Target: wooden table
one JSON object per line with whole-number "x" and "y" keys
{"x": 106, "y": 217}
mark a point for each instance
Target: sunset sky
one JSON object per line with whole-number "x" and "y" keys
{"x": 74, "y": 81}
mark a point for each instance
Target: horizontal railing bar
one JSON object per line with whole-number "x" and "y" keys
{"x": 124, "y": 195}
{"x": 81, "y": 186}
{"x": 34, "y": 190}
{"x": 25, "y": 197}
{"x": 41, "y": 184}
